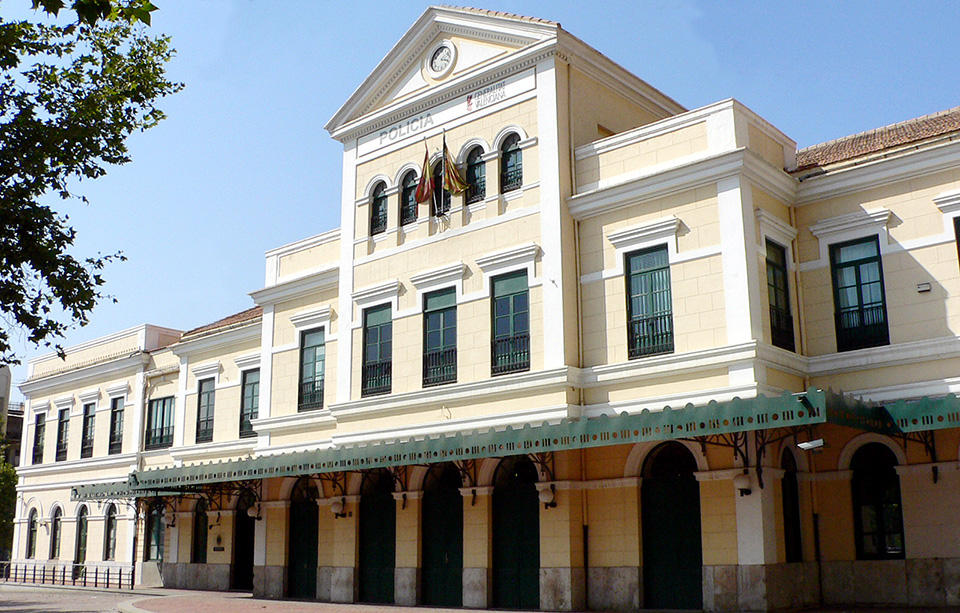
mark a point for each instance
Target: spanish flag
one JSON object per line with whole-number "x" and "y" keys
{"x": 452, "y": 181}
{"x": 425, "y": 186}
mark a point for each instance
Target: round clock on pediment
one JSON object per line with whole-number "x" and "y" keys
{"x": 441, "y": 60}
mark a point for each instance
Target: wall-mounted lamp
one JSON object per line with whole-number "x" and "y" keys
{"x": 254, "y": 512}
{"x": 173, "y": 522}
{"x": 337, "y": 508}
{"x": 814, "y": 445}
{"x": 742, "y": 483}
{"x": 549, "y": 497}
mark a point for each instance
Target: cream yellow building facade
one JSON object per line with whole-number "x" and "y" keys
{"x": 607, "y": 375}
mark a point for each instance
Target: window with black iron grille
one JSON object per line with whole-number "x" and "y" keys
{"x": 408, "y": 200}
{"x": 116, "y": 425}
{"x": 378, "y": 210}
{"x": 86, "y": 441}
{"x": 861, "y": 310}
{"x": 476, "y": 176}
{"x": 440, "y": 203}
{"x": 312, "y": 363}
{"x": 781, "y": 321}
{"x": 159, "y": 423}
{"x": 510, "y": 348}
{"x": 377, "y": 351}
{"x": 440, "y": 337}
{"x": 206, "y": 397}
{"x": 649, "y": 303}
{"x": 250, "y": 401}
{"x": 511, "y": 164}
{"x": 63, "y": 431}
{"x": 39, "y": 433}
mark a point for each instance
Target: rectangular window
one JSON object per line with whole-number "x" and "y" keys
{"x": 63, "y": 430}
{"x": 510, "y": 346}
{"x": 159, "y": 424}
{"x": 312, "y": 363}
{"x": 649, "y": 303}
{"x": 249, "y": 402}
{"x": 206, "y": 395}
{"x": 116, "y": 425}
{"x": 39, "y": 432}
{"x": 781, "y": 321}
{"x": 377, "y": 351}
{"x": 861, "y": 311}
{"x": 86, "y": 443}
{"x": 440, "y": 337}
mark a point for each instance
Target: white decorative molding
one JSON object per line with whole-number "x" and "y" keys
{"x": 118, "y": 390}
{"x": 861, "y": 223}
{"x": 296, "y": 422}
{"x": 312, "y": 318}
{"x": 248, "y": 361}
{"x": 775, "y": 228}
{"x": 40, "y": 407}
{"x": 445, "y": 275}
{"x": 206, "y": 370}
{"x": 89, "y": 396}
{"x": 298, "y": 287}
{"x": 645, "y": 235}
{"x": 63, "y": 402}
{"x": 948, "y": 202}
{"x": 509, "y": 258}
{"x": 372, "y": 294}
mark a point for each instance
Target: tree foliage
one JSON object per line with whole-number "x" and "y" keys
{"x": 8, "y": 501}
{"x": 69, "y": 98}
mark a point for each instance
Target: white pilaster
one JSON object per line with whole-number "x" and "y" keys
{"x": 348, "y": 211}
{"x": 740, "y": 276}
{"x": 266, "y": 371}
{"x": 180, "y": 410}
{"x": 139, "y": 412}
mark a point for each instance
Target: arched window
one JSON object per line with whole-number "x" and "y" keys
{"x": 476, "y": 176}
{"x": 32, "y": 534}
{"x": 441, "y": 197}
{"x": 55, "y": 527}
{"x": 378, "y": 210}
{"x": 408, "y": 200}
{"x": 877, "y": 510}
{"x": 153, "y": 549}
{"x": 200, "y": 529}
{"x": 790, "y": 490}
{"x": 110, "y": 533}
{"x": 511, "y": 164}
{"x": 81, "y": 545}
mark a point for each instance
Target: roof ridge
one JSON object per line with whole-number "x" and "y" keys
{"x": 223, "y": 322}
{"x": 493, "y": 13}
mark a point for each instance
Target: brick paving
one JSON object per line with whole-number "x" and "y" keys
{"x": 16, "y": 598}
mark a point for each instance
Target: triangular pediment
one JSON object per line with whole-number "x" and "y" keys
{"x": 472, "y": 38}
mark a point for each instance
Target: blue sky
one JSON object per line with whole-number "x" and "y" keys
{"x": 243, "y": 164}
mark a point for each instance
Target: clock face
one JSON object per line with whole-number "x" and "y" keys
{"x": 441, "y": 59}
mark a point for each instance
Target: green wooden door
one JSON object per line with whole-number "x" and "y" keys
{"x": 378, "y": 538}
{"x": 303, "y": 549}
{"x": 442, "y": 570}
{"x": 516, "y": 536}
{"x": 243, "y": 535}
{"x": 672, "y": 553}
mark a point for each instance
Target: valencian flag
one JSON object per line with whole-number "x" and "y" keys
{"x": 425, "y": 186}
{"x": 452, "y": 181}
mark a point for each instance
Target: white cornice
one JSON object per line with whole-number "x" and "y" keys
{"x": 70, "y": 468}
{"x": 439, "y": 276}
{"x": 672, "y": 364}
{"x": 211, "y": 369}
{"x": 304, "y": 244}
{"x": 377, "y": 293}
{"x": 948, "y": 202}
{"x": 83, "y": 375}
{"x": 775, "y": 227}
{"x": 888, "y": 355}
{"x": 244, "y": 332}
{"x": 655, "y": 230}
{"x": 212, "y": 450}
{"x": 900, "y": 166}
{"x": 297, "y": 288}
{"x": 139, "y": 331}
{"x": 487, "y": 389}
{"x": 867, "y": 221}
{"x": 118, "y": 390}
{"x": 312, "y": 318}
{"x": 296, "y": 422}
{"x": 248, "y": 361}
{"x": 88, "y": 396}
{"x": 520, "y": 254}
{"x": 63, "y": 402}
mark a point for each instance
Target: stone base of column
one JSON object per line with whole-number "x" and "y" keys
{"x": 149, "y": 574}
{"x": 562, "y": 589}
{"x": 269, "y": 581}
{"x": 476, "y": 588}
{"x": 614, "y": 589}
{"x": 343, "y": 584}
{"x": 931, "y": 582}
{"x": 759, "y": 587}
{"x": 405, "y": 586}
{"x": 196, "y": 576}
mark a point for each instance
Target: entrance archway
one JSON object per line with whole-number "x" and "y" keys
{"x": 378, "y": 537}
{"x": 243, "y": 535}
{"x": 516, "y": 535}
{"x": 670, "y": 509}
{"x": 304, "y": 533}
{"x": 442, "y": 537}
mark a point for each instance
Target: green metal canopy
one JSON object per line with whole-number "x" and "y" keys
{"x": 787, "y": 412}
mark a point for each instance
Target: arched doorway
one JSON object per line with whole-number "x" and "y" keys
{"x": 790, "y": 496}
{"x": 670, "y": 509}
{"x": 516, "y": 535}
{"x": 303, "y": 540}
{"x": 378, "y": 537}
{"x": 243, "y": 535}
{"x": 442, "y": 537}
{"x": 80, "y": 554}
{"x": 877, "y": 509}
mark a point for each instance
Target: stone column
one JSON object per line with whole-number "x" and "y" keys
{"x": 270, "y": 550}
{"x": 407, "y": 573}
{"x": 614, "y": 580}
{"x": 562, "y": 578}
{"x": 344, "y": 584}
{"x": 477, "y": 546}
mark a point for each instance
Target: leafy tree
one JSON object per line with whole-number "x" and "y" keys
{"x": 8, "y": 501}
{"x": 69, "y": 98}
